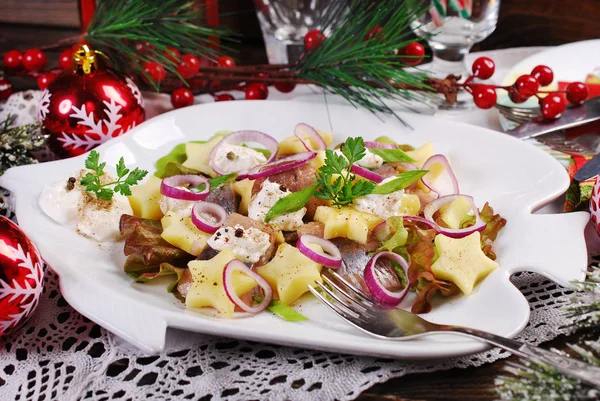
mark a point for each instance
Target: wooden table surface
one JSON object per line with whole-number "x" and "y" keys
{"x": 450, "y": 385}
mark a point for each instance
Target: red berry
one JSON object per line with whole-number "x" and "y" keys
{"x": 155, "y": 70}
{"x": 313, "y": 39}
{"x": 552, "y": 106}
{"x": 516, "y": 97}
{"x": 5, "y": 89}
{"x": 226, "y": 62}
{"x": 256, "y": 91}
{"x": 188, "y": 66}
{"x": 375, "y": 32}
{"x": 543, "y": 74}
{"x": 415, "y": 50}
{"x": 65, "y": 60}
{"x": 484, "y": 96}
{"x": 172, "y": 54}
{"x": 13, "y": 59}
{"x": 45, "y": 79}
{"x": 577, "y": 92}
{"x": 182, "y": 97}
{"x": 223, "y": 97}
{"x": 526, "y": 86}
{"x": 34, "y": 60}
{"x": 483, "y": 68}
{"x": 285, "y": 87}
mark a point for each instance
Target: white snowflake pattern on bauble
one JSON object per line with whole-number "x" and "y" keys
{"x": 44, "y": 104}
{"x": 135, "y": 91}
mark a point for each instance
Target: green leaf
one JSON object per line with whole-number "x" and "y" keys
{"x": 221, "y": 180}
{"x": 400, "y": 236}
{"x": 93, "y": 163}
{"x": 176, "y": 168}
{"x": 89, "y": 179}
{"x": 392, "y": 155}
{"x": 362, "y": 188}
{"x": 400, "y": 182}
{"x": 122, "y": 171}
{"x": 135, "y": 176}
{"x": 285, "y": 312}
{"x": 123, "y": 188}
{"x": 176, "y": 155}
{"x": 354, "y": 149}
{"x": 104, "y": 194}
{"x": 291, "y": 203}
{"x": 334, "y": 163}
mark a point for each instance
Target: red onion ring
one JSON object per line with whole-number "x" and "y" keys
{"x": 382, "y": 232}
{"x": 330, "y": 257}
{"x": 169, "y": 187}
{"x": 305, "y": 129}
{"x": 448, "y": 170}
{"x": 277, "y": 166}
{"x": 213, "y": 210}
{"x": 438, "y": 203}
{"x": 230, "y": 291}
{"x": 366, "y": 173}
{"x": 380, "y": 145}
{"x": 431, "y": 224}
{"x": 238, "y": 138}
{"x": 378, "y": 292}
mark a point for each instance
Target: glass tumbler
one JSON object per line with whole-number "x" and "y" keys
{"x": 285, "y": 22}
{"x": 452, "y": 27}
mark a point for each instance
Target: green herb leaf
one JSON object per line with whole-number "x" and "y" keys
{"x": 291, "y": 203}
{"x": 176, "y": 155}
{"x": 400, "y": 182}
{"x": 135, "y": 176}
{"x": 122, "y": 171}
{"x": 392, "y": 155}
{"x": 354, "y": 149}
{"x": 285, "y": 312}
{"x": 93, "y": 163}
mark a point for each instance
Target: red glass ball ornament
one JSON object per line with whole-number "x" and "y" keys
{"x": 224, "y": 97}
{"x": 155, "y": 70}
{"x": 34, "y": 60}
{"x": 285, "y": 87}
{"x": 21, "y": 276}
{"x": 577, "y": 92}
{"x": 552, "y": 106}
{"x": 13, "y": 59}
{"x": 182, "y": 97}
{"x": 484, "y": 96}
{"x": 188, "y": 66}
{"x": 172, "y": 54}
{"x": 526, "y": 86}
{"x": 415, "y": 50}
{"x": 44, "y": 80}
{"x": 65, "y": 60}
{"x": 226, "y": 62}
{"x": 256, "y": 91}
{"x": 483, "y": 68}
{"x": 6, "y": 89}
{"x": 81, "y": 111}
{"x": 375, "y": 32}
{"x": 543, "y": 74}
{"x": 313, "y": 39}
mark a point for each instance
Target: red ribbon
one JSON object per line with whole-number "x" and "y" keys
{"x": 86, "y": 12}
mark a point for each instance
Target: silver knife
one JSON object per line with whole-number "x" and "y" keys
{"x": 572, "y": 117}
{"x": 589, "y": 169}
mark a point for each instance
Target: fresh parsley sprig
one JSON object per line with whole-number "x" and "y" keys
{"x": 344, "y": 188}
{"x": 125, "y": 178}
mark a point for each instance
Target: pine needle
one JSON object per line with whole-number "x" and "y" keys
{"x": 17, "y": 143}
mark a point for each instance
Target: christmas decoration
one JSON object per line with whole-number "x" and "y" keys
{"x": 87, "y": 105}
{"x": 21, "y": 276}
{"x": 5, "y": 89}
{"x": 18, "y": 143}
{"x": 182, "y": 97}
{"x": 595, "y": 206}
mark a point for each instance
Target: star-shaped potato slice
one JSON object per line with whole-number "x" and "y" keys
{"x": 461, "y": 261}
{"x": 346, "y": 222}
{"x": 179, "y": 231}
{"x": 198, "y": 155}
{"x": 207, "y": 288}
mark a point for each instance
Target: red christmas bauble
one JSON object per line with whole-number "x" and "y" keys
{"x": 80, "y": 110}
{"x": 21, "y": 276}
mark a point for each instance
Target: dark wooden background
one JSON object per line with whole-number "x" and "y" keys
{"x": 30, "y": 23}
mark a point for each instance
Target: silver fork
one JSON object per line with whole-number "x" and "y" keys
{"x": 356, "y": 308}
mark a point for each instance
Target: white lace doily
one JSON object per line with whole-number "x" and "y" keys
{"x": 59, "y": 354}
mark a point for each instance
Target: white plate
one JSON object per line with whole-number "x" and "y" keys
{"x": 570, "y": 62}
{"x": 516, "y": 178}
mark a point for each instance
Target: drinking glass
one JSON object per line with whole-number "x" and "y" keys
{"x": 285, "y": 22}
{"x": 452, "y": 27}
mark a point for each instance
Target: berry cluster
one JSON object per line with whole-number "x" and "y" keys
{"x": 33, "y": 60}
{"x": 552, "y": 104}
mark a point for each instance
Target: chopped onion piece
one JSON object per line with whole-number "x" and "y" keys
{"x": 446, "y": 183}
{"x": 303, "y": 130}
{"x": 230, "y": 290}
{"x": 331, "y": 256}
{"x": 439, "y": 203}
{"x": 380, "y": 145}
{"x": 239, "y": 138}
{"x": 173, "y": 187}
{"x": 208, "y": 216}
{"x": 379, "y": 293}
{"x": 277, "y": 166}
{"x": 366, "y": 173}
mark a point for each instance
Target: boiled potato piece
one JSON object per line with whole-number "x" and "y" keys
{"x": 318, "y": 161}
{"x": 346, "y": 222}
{"x": 461, "y": 261}
{"x": 179, "y": 231}
{"x": 198, "y": 155}
{"x": 145, "y": 199}
{"x": 243, "y": 189}
{"x": 410, "y": 205}
{"x": 207, "y": 288}
{"x": 420, "y": 155}
{"x": 292, "y": 145}
{"x": 290, "y": 272}
{"x": 454, "y": 213}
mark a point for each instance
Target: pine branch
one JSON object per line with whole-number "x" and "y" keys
{"x": 118, "y": 25}
{"x": 585, "y": 305}
{"x": 17, "y": 143}
{"x": 367, "y": 73}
